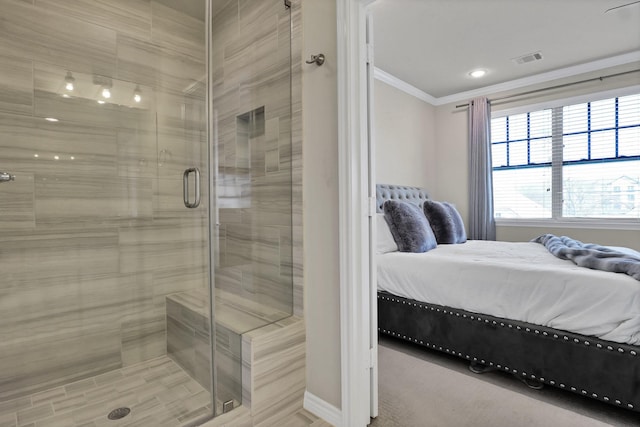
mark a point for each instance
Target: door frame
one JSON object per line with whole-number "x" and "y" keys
{"x": 356, "y": 325}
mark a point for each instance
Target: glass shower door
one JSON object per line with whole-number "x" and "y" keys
{"x": 253, "y": 164}
{"x": 104, "y": 270}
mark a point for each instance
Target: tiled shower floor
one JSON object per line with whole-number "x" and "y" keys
{"x": 158, "y": 392}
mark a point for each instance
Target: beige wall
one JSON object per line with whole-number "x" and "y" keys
{"x": 452, "y": 160}
{"x": 320, "y": 202}
{"x": 404, "y": 136}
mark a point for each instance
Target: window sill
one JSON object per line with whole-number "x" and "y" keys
{"x": 600, "y": 224}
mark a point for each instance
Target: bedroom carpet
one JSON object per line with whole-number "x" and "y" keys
{"x": 422, "y": 388}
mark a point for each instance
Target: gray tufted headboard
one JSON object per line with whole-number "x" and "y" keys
{"x": 386, "y": 192}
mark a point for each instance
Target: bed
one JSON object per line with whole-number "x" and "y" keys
{"x": 580, "y": 335}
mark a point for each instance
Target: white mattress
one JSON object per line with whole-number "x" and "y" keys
{"x": 519, "y": 281}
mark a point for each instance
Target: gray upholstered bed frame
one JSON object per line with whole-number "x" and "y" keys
{"x": 585, "y": 365}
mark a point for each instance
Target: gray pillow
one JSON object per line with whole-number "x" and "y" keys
{"x": 445, "y": 221}
{"x": 409, "y": 227}
{"x": 461, "y": 233}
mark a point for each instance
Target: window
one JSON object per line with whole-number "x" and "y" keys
{"x": 572, "y": 161}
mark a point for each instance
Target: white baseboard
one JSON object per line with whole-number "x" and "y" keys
{"x": 322, "y": 409}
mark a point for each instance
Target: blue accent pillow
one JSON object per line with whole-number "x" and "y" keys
{"x": 445, "y": 221}
{"x": 409, "y": 227}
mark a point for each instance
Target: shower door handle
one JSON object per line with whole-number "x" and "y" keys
{"x": 6, "y": 177}
{"x": 185, "y": 188}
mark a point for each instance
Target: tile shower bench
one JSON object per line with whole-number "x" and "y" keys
{"x": 252, "y": 342}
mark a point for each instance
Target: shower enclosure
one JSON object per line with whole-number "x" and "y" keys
{"x": 145, "y": 205}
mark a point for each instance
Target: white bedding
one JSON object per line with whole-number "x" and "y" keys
{"x": 519, "y": 281}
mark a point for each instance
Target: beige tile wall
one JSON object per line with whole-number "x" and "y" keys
{"x": 93, "y": 240}
{"x": 256, "y": 161}
{"x": 90, "y": 247}
{"x": 275, "y": 356}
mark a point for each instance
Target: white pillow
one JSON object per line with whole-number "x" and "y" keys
{"x": 385, "y": 241}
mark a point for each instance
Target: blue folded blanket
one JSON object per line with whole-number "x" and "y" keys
{"x": 591, "y": 255}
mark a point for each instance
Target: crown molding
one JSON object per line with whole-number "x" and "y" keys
{"x": 510, "y": 85}
{"x": 393, "y": 81}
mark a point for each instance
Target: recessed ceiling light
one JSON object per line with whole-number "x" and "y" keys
{"x": 137, "y": 94}
{"x": 69, "y": 81}
{"x": 51, "y": 119}
{"x": 477, "y": 73}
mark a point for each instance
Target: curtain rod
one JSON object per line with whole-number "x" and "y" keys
{"x": 555, "y": 87}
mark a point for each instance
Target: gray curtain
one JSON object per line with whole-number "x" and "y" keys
{"x": 481, "y": 223}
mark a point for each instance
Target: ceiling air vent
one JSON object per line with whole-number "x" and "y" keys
{"x": 529, "y": 57}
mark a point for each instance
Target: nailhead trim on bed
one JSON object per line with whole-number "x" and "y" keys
{"x": 490, "y": 363}
{"x": 480, "y": 319}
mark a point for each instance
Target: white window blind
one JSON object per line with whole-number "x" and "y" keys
{"x": 575, "y": 161}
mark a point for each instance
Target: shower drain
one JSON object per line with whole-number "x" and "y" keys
{"x": 116, "y": 414}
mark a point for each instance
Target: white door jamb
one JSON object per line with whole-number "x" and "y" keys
{"x": 355, "y": 322}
